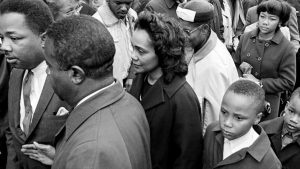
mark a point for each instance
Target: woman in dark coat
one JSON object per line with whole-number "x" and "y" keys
{"x": 266, "y": 56}
{"x": 171, "y": 106}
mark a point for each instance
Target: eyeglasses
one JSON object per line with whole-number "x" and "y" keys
{"x": 72, "y": 11}
{"x": 189, "y": 32}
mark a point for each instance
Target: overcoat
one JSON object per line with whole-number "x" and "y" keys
{"x": 107, "y": 131}
{"x": 173, "y": 113}
{"x": 273, "y": 62}
{"x": 289, "y": 156}
{"x": 258, "y": 156}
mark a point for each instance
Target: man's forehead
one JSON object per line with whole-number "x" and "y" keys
{"x": 13, "y": 21}
{"x": 64, "y": 3}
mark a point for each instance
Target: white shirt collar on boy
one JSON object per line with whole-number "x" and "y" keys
{"x": 232, "y": 146}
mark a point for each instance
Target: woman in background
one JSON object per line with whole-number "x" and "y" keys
{"x": 265, "y": 56}
{"x": 171, "y": 106}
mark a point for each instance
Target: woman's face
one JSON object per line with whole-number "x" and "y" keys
{"x": 144, "y": 58}
{"x": 267, "y": 23}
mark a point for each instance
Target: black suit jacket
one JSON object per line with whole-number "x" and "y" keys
{"x": 44, "y": 124}
{"x": 289, "y": 156}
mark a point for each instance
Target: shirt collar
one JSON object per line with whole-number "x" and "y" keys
{"x": 276, "y": 38}
{"x": 93, "y": 94}
{"x": 259, "y": 148}
{"x": 40, "y": 69}
{"x": 243, "y": 140}
{"x": 295, "y": 135}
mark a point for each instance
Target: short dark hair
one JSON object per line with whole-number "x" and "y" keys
{"x": 37, "y": 14}
{"x": 250, "y": 89}
{"x": 168, "y": 40}
{"x": 296, "y": 93}
{"x": 279, "y": 8}
{"x": 85, "y": 42}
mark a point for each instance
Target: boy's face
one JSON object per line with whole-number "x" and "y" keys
{"x": 292, "y": 115}
{"x": 238, "y": 114}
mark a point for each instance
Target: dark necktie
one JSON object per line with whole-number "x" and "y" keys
{"x": 27, "y": 103}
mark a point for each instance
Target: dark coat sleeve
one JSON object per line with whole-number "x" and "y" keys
{"x": 187, "y": 131}
{"x": 286, "y": 73}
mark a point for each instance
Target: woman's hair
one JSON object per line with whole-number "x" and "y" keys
{"x": 279, "y": 8}
{"x": 168, "y": 40}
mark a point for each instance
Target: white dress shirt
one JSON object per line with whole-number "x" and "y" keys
{"x": 232, "y": 146}
{"x": 93, "y": 94}
{"x": 37, "y": 84}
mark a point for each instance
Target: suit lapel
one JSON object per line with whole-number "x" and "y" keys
{"x": 43, "y": 102}
{"x": 276, "y": 142}
{"x": 15, "y": 94}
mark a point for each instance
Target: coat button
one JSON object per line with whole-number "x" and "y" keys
{"x": 248, "y": 54}
{"x": 256, "y": 73}
{"x": 267, "y": 44}
{"x": 259, "y": 58}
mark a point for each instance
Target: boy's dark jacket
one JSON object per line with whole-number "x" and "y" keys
{"x": 258, "y": 156}
{"x": 290, "y": 155}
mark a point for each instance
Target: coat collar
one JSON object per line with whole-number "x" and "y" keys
{"x": 276, "y": 38}
{"x": 91, "y": 106}
{"x": 257, "y": 150}
{"x": 156, "y": 91}
{"x": 207, "y": 48}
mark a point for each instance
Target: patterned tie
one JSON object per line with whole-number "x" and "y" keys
{"x": 27, "y": 103}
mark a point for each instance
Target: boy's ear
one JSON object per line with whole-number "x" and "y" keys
{"x": 258, "y": 118}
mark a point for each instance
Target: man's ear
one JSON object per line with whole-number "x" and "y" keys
{"x": 76, "y": 74}
{"x": 43, "y": 39}
{"x": 204, "y": 29}
{"x": 258, "y": 118}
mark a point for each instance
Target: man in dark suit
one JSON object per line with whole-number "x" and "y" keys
{"x": 107, "y": 129}
{"x": 32, "y": 104}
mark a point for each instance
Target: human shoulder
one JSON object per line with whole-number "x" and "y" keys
{"x": 272, "y": 126}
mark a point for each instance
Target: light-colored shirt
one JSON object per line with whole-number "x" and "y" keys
{"x": 37, "y": 84}
{"x": 227, "y": 22}
{"x": 211, "y": 72}
{"x": 232, "y": 146}
{"x": 121, "y": 30}
{"x": 93, "y": 94}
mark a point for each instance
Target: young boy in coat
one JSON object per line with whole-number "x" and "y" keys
{"x": 236, "y": 141}
{"x": 284, "y": 133}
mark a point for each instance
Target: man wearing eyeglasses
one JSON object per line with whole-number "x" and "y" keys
{"x": 211, "y": 68}
{"x": 64, "y": 8}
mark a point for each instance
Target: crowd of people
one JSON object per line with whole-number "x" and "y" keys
{"x": 149, "y": 84}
